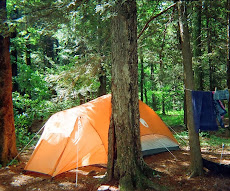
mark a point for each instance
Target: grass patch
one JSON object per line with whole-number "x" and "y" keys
{"x": 173, "y": 118}
{"x": 182, "y": 138}
{"x": 206, "y": 140}
{"x": 213, "y": 140}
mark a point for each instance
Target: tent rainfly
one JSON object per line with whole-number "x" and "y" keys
{"x": 79, "y": 137}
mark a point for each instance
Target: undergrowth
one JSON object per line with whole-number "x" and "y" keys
{"x": 215, "y": 139}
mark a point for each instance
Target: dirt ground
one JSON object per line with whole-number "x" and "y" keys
{"x": 173, "y": 168}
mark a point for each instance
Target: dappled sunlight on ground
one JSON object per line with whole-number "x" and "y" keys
{"x": 172, "y": 173}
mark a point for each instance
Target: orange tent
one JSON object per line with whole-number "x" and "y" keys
{"x": 79, "y": 137}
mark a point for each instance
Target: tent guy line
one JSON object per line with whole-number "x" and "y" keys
{"x": 25, "y": 146}
{"x": 176, "y": 133}
{"x": 167, "y": 149}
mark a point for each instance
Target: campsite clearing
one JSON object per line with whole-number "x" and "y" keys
{"x": 173, "y": 175}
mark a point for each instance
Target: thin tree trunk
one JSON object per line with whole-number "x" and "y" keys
{"x": 7, "y": 130}
{"x": 14, "y": 54}
{"x": 197, "y": 45}
{"x": 162, "y": 69}
{"x": 125, "y": 161}
{"x": 146, "y": 96}
{"x": 102, "y": 72}
{"x": 142, "y": 76}
{"x": 152, "y": 88}
{"x": 228, "y": 57}
{"x": 196, "y": 165}
{"x": 209, "y": 48}
{"x": 28, "y": 51}
{"x": 102, "y": 80}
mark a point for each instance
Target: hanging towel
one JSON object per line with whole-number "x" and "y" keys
{"x": 204, "y": 111}
{"x": 221, "y": 95}
{"x": 220, "y": 111}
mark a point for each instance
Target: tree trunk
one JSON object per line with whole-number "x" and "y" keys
{"x": 228, "y": 58}
{"x": 102, "y": 72}
{"x": 142, "y": 76}
{"x": 163, "y": 104}
{"x": 154, "y": 105}
{"x": 196, "y": 165}
{"x": 125, "y": 161}
{"x": 209, "y": 48}
{"x": 102, "y": 80}
{"x": 7, "y": 131}
{"x": 146, "y": 96}
{"x": 161, "y": 76}
{"x": 14, "y": 54}
{"x": 28, "y": 51}
{"x": 197, "y": 45}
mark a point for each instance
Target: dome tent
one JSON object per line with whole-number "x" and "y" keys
{"x": 79, "y": 137}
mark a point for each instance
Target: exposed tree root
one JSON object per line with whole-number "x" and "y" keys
{"x": 195, "y": 174}
{"x": 136, "y": 179}
{"x": 139, "y": 182}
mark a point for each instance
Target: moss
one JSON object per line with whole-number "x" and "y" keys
{"x": 126, "y": 183}
{"x": 139, "y": 181}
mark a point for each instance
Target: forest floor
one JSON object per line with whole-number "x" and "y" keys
{"x": 172, "y": 167}
{"x": 173, "y": 170}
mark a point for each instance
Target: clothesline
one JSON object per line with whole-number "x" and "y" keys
{"x": 187, "y": 89}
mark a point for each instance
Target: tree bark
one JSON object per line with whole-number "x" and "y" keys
{"x": 7, "y": 130}
{"x": 209, "y": 48}
{"x": 146, "y": 96}
{"x": 142, "y": 76}
{"x": 14, "y": 54}
{"x": 125, "y": 161}
{"x": 102, "y": 80}
{"x": 228, "y": 57}
{"x": 161, "y": 76}
{"x": 197, "y": 45}
{"x": 196, "y": 165}
{"x": 102, "y": 70}
{"x": 28, "y": 51}
{"x": 154, "y": 105}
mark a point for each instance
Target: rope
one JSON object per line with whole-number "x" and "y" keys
{"x": 176, "y": 133}
{"x": 26, "y": 145}
{"x": 166, "y": 148}
{"x": 187, "y": 89}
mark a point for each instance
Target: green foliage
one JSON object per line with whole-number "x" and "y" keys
{"x": 23, "y": 138}
{"x": 173, "y": 119}
{"x": 32, "y": 83}
{"x": 62, "y": 45}
{"x": 162, "y": 61}
{"x": 71, "y": 80}
{"x": 182, "y": 138}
